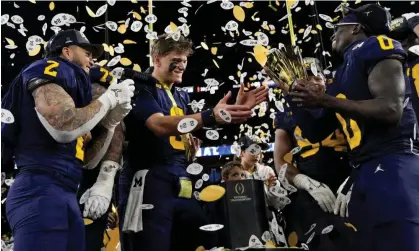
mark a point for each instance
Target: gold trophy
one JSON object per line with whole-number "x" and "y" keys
{"x": 285, "y": 66}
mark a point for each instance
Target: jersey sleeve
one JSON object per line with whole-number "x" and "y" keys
{"x": 145, "y": 103}
{"x": 100, "y": 75}
{"x": 48, "y": 71}
{"x": 376, "y": 49}
{"x": 284, "y": 121}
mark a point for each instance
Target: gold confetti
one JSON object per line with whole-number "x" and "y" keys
{"x": 122, "y": 28}
{"x": 102, "y": 63}
{"x": 90, "y": 12}
{"x": 357, "y": 1}
{"x": 111, "y": 51}
{"x": 87, "y": 221}
{"x": 212, "y": 193}
{"x": 214, "y": 50}
{"x": 260, "y": 54}
{"x": 351, "y": 226}
{"x": 125, "y": 62}
{"x": 105, "y": 47}
{"x": 238, "y": 13}
{"x": 35, "y": 51}
{"x": 173, "y": 26}
{"x": 128, "y": 41}
{"x": 239, "y": 74}
{"x": 11, "y": 42}
{"x": 319, "y": 27}
{"x": 204, "y": 45}
{"x": 51, "y": 6}
{"x": 32, "y": 1}
{"x": 293, "y": 239}
{"x": 270, "y": 244}
{"x": 248, "y": 5}
{"x": 136, "y": 15}
{"x": 250, "y": 60}
{"x": 216, "y": 64}
{"x": 136, "y": 67}
{"x": 301, "y": 30}
{"x": 314, "y": 32}
{"x": 121, "y": 22}
{"x": 143, "y": 10}
{"x": 134, "y": 1}
{"x": 200, "y": 248}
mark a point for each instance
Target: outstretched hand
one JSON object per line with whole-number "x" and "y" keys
{"x": 251, "y": 98}
{"x": 239, "y": 113}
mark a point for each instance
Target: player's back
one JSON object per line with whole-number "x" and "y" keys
{"x": 35, "y": 148}
{"x": 145, "y": 149}
{"x": 368, "y": 138}
{"x": 325, "y": 161}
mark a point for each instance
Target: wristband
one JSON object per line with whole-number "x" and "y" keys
{"x": 208, "y": 118}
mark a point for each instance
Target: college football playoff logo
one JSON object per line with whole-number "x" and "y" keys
{"x": 239, "y": 188}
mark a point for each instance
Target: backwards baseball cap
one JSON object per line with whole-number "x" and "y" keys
{"x": 246, "y": 141}
{"x": 374, "y": 18}
{"x": 72, "y": 37}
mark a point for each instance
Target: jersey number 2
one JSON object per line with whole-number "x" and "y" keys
{"x": 176, "y": 141}
{"x": 105, "y": 75}
{"x": 79, "y": 148}
{"x": 49, "y": 69}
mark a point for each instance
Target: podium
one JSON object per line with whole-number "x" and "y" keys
{"x": 244, "y": 212}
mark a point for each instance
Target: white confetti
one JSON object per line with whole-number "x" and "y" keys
{"x": 307, "y": 31}
{"x": 262, "y": 38}
{"x": 230, "y": 44}
{"x": 205, "y": 177}
{"x": 194, "y": 168}
{"x": 211, "y": 227}
{"x": 330, "y": 25}
{"x": 101, "y": 10}
{"x": 414, "y": 49}
{"x": 182, "y": 20}
{"x": 266, "y": 236}
{"x": 119, "y": 49}
{"x": 44, "y": 28}
{"x": 199, "y": 184}
{"x": 117, "y": 72}
{"x": 278, "y": 191}
{"x": 225, "y": 115}
{"x": 151, "y": 18}
{"x": 114, "y": 61}
{"x": 326, "y": 18}
{"x": 227, "y": 5}
{"x": 254, "y": 149}
{"x": 136, "y": 26}
{"x": 295, "y": 150}
{"x": 406, "y": 102}
{"x": 17, "y": 19}
{"x": 212, "y": 135}
{"x": 111, "y": 2}
{"x": 255, "y": 242}
{"x": 196, "y": 195}
{"x": 4, "y": 18}
{"x": 112, "y": 25}
{"x": 187, "y": 125}
{"x": 327, "y": 230}
{"x": 232, "y": 25}
{"x": 146, "y": 206}
{"x": 283, "y": 18}
{"x": 185, "y": 3}
{"x": 12, "y": 56}
{"x": 7, "y": 116}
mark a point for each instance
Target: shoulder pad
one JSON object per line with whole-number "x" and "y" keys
{"x": 377, "y": 48}
{"x": 48, "y": 71}
{"x": 100, "y": 75}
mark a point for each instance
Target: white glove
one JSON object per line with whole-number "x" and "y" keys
{"x": 116, "y": 116}
{"x": 319, "y": 191}
{"x": 410, "y": 15}
{"x": 97, "y": 199}
{"x": 118, "y": 94}
{"x": 341, "y": 204}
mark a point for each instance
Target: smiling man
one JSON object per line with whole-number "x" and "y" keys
{"x": 158, "y": 153}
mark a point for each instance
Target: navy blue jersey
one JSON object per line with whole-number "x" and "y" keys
{"x": 33, "y": 145}
{"x": 145, "y": 149}
{"x": 368, "y": 139}
{"x": 325, "y": 161}
{"x": 413, "y": 74}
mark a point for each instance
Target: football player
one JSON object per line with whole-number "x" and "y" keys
{"x": 378, "y": 121}
{"x": 406, "y": 30}
{"x": 95, "y": 191}
{"x": 320, "y": 168}
{"x": 51, "y": 100}
{"x": 156, "y": 144}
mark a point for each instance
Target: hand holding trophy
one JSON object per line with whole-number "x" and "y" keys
{"x": 285, "y": 66}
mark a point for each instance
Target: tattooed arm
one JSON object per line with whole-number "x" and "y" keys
{"x": 108, "y": 144}
{"x": 57, "y": 112}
